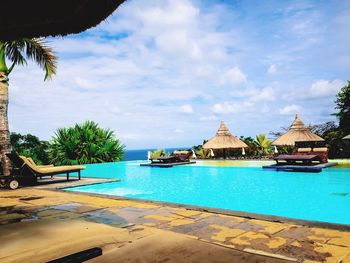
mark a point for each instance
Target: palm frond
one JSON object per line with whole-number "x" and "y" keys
{"x": 38, "y": 50}
{"x": 35, "y": 49}
{"x": 13, "y": 52}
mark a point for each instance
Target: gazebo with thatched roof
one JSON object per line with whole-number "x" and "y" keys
{"x": 346, "y": 140}
{"x": 42, "y": 18}
{"x": 297, "y": 132}
{"x": 224, "y": 140}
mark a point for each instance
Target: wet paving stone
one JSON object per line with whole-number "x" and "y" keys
{"x": 222, "y": 220}
{"x": 295, "y": 232}
{"x": 199, "y": 229}
{"x": 63, "y": 215}
{"x": 105, "y": 217}
{"x": 74, "y": 207}
{"x": 136, "y": 215}
{"x": 304, "y": 251}
{"x": 13, "y": 214}
{"x": 11, "y": 218}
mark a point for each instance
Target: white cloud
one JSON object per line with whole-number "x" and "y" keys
{"x": 179, "y": 131}
{"x": 272, "y": 69}
{"x": 265, "y": 94}
{"x": 318, "y": 89}
{"x": 290, "y": 109}
{"x": 255, "y": 95}
{"x": 129, "y": 136}
{"x": 115, "y": 110}
{"x": 187, "y": 108}
{"x": 233, "y": 76}
{"x": 227, "y": 107}
{"x": 208, "y": 118}
{"x": 325, "y": 87}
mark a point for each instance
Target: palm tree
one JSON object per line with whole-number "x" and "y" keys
{"x": 263, "y": 144}
{"x": 85, "y": 143}
{"x": 16, "y": 52}
{"x": 202, "y": 153}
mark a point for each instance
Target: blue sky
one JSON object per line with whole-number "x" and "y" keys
{"x": 165, "y": 73}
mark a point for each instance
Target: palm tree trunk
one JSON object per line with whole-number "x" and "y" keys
{"x": 4, "y": 126}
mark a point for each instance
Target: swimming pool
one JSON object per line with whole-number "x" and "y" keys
{"x": 321, "y": 196}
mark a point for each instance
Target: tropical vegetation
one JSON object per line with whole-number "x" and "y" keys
{"x": 157, "y": 153}
{"x": 343, "y": 106}
{"x": 30, "y": 146}
{"x": 16, "y": 53}
{"x": 202, "y": 153}
{"x": 263, "y": 145}
{"x": 85, "y": 143}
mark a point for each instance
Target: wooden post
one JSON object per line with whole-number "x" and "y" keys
{"x": 79, "y": 174}
{"x": 67, "y": 176}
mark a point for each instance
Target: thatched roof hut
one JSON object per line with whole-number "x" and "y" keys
{"x": 297, "y": 132}
{"x": 223, "y": 139}
{"x": 42, "y": 18}
{"x": 347, "y": 137}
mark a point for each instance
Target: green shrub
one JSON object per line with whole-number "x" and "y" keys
{"x": 85, "y": 143}
{"x": 158, "y": 153}
{"x": 30, "y": 146}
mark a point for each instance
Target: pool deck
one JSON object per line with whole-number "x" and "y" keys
{"x": 41, "y": 223}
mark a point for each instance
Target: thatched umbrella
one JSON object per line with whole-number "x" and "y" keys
{"x": 42, "y": 18}
{"x": 297, "y": 132}
{"x": 346, "y": 140}
{"x": 347, "y": 137}
{"x": 223, "y": 139}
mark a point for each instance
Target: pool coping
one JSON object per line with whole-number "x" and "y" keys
{"x": 247, "y": 215}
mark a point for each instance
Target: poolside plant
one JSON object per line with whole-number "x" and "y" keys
{"x": 202, "y": 153}
{"x": 263, "y": 144}
{"x": 16, "y": 53}
{"x": 252, "y": 147}
{"x": 158, "y": 153}
{"x": 85, "y": 143}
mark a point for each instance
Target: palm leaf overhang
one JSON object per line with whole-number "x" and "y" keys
{"x": 34, "y": 49}
{"x": 42, "y": 18}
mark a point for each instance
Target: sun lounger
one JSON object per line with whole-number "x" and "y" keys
{"x": 47, "y": 165}
{"x": 164, "y": 159}
{"x": 318, "y": 148}
{"x": 297, "y": 159}
{"x": 175, "y": 157}
{"x": 23, "y": 166}
{"x": 183, "y": 156}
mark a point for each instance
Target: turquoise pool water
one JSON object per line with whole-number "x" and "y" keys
{"x": 321, "y": 196}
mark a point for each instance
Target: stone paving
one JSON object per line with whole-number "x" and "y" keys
{"x": 278, "y": 240}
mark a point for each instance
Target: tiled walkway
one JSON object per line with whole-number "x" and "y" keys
{"x": 20, "y": 208}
